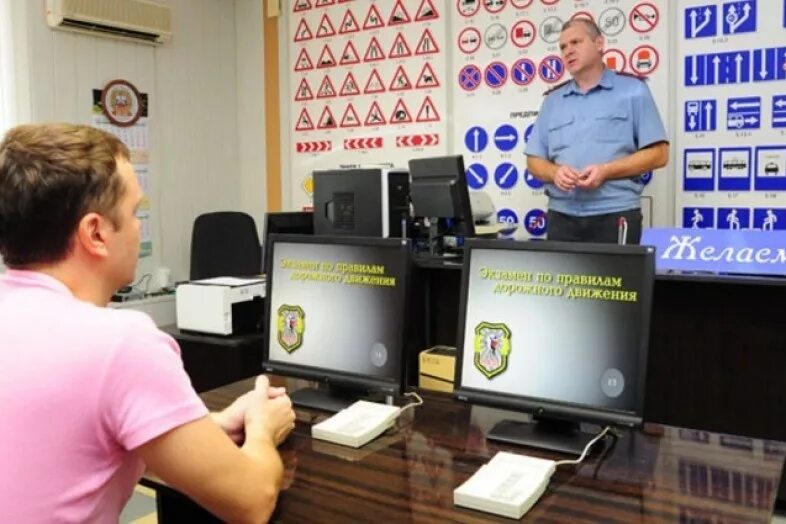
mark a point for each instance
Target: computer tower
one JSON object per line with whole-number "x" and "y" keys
{"x": 361, "y": 202}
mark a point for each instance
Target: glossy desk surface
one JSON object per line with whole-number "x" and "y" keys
{"x": 660, "y": 474}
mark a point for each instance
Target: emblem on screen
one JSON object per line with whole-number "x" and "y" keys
{"x": 291, "y": 325}
{"x": 492, "y": 347}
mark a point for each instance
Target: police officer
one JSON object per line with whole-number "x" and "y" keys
{"x": 594, "y": 137}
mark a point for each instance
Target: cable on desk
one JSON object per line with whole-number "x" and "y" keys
{"x": 586, "y": 450}
{"x": 418, "y": 402}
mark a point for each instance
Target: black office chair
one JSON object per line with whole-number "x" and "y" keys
{"x": 225, "y": 243}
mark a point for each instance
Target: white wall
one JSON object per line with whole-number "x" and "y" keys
{"x": 206, "y": 109}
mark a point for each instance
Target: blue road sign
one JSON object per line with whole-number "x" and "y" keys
{"x": 698, "y": 169}
{"x": 551, "y": 69}
{"x": 732, "y": 68}
{"x": 496, "y": 74}
{"x": 470, "y": 77}
{"x": 701, "y": 21}
{"x": 476, "y": 139}
{"x": 698, "y": 217}
{"x": 734, "y": 218}
{"x": 523, "y": 71}
{"x": 739, "y": 17}
{"x": 531, "y": 181}
{"x": 535, "y": 222}
{"x": 769, "y": 219}
{"x": 506, "y": 175}
{"x": 528, "y": 132}
{"x": 768, "y": 64}
{"x": 506, "y": 137}
{"x": 696, "y": 71}
{"x": 700, "y": 115}
{"x": 477, "y": 176}
{"x": 734, "y": 168}
{"x": 718, "y": 68}
{"x": 507, "y": 216}
{"x": 743, "y": 113}
{"x": 779, "y": 111}
{"x": 770, "y": 173}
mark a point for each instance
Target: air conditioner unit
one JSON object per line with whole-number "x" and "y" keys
{"x": 135, "y": 20}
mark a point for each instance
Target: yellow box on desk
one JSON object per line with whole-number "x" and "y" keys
{"x": 437, "y": 368}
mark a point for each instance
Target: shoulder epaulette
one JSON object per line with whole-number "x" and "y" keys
{"x": 633, "y": 75}
{"x": 547, "y": 93}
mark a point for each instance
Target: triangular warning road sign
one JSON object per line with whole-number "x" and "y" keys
{"x": 304, "y": 122}
{"x": 326, "y": 89}
{"x": 349, "y": 24}
{"x": 399, "y": 15}
{"x": 350, "y": 86}
{"x": 350, "y": 118}
{"x": 427, "y": 44}
{"x": 373, "y": 19}
{"x": 427, "y": 111}
{"x": 349, "y": 55}
{"x": 374, "y": 51}
{"x": 303, "y": 32}
{"x": 375, "y": 116}
{"x": 400, "y": 113}
{"x": 326, "y": 58}
{"x": 302, "y": 5}
{"x": 374, "y": 83}
{"x": 303, "y": 92}
{"x": 327, "y": 120}
{"x": 427, "y": 78}
{"x": 400, "y": 81}
{"x": 426, "y": 11}
{"x": 400, "y": 48}
{"x": 323, "y": 3}
{"x": 303, "y": 62}
{"x": 325, "y": 27}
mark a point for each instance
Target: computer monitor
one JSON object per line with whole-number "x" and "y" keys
{"x": 287, "y": 222}
{"x": 335, "y": 313}
{"x": 438, "y": 190}
{"x": 361, "y": 202}
{"x": 557, "y": 330}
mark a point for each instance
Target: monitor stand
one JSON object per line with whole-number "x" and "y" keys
{"x": 327, "y": 398}
{"x": 544, "y": 433}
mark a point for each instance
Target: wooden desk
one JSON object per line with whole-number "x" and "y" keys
{"x": 661, "y": 474}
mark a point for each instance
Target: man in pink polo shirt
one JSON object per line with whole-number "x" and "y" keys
{"x": 90, "y": 395}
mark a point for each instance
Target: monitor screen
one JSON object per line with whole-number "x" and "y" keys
{"x": 439, "y": 189}
{"x": 336, "y": 310}
{"x": 556, "y": 329}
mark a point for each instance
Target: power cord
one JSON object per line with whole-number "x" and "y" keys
{"x": 412, "y": 405}
{"x": 586, "y": 450}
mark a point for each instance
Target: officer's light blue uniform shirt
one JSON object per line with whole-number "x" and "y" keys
{"x": 612, "y": 120}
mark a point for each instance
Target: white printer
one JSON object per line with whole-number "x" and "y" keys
{"x": 221, "y": 306}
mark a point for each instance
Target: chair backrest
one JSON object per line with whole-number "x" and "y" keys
{"x": 225, "y": 243}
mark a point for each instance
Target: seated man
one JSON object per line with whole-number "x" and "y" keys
{"x": 89, "y": 396}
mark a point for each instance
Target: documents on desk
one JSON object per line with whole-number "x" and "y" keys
{"x": 508, "y": 485}
{"x": 221, "y": 306}
{"x": 356, "y": 425}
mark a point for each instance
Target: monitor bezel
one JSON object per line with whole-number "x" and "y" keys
{"x": 280, "y": 214}
{"x": 392, "y": 385}
{"x": 459, "y": 189}
{"x": 551, "y": 407}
